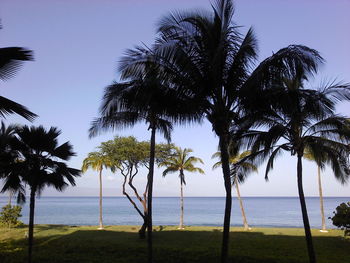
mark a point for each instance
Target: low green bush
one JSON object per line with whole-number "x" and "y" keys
{"x": 341, "y": 217}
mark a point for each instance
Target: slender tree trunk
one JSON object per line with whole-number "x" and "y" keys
{"x": 321, "y": 198}
{"x": 181, "y": 226}
{"x": 31, "y": 224}
{"x": 100, "y": 177}
{"x": 223, "y": 143}
{"x": 10, "y": 197}
{"x": 310, "y": 247}
{"x": 144, "y": 216}
{"x": 245, "y": 223}
{"x": 150, "y": 192}
{"x": 142, "y": 231}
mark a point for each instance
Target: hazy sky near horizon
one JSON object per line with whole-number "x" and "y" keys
{"x": 77, "y": 45}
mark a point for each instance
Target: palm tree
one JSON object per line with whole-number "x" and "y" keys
{"x": 96, "y": 161}
{"x": 320, "y": 166}
{"x": 208, "y": 62}
{"x": 42, "y": 163}
{"x": 180, "y": 161}
{"x": 142, "y": 97}
{"x": 11, "y": 58}
{"x": 240, "y": 170}
{"x": 299, "y": 119}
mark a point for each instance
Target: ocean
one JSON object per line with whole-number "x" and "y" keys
{"x": 199, "y": 211}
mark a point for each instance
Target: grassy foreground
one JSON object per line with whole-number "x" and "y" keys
{"x": 54, "y": 243}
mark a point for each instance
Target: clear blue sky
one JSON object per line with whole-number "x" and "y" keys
{"x": 77, "y": 45}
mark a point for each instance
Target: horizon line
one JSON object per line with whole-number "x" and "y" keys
{"x": 77, "y": 196}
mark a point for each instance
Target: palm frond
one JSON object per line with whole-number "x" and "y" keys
{"x": 11, "y": 59}
{"x": 9, "y": 107}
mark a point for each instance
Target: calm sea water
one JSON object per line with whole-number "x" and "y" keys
{"x": 204, "y": 211}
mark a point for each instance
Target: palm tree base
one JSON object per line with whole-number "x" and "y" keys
{"x": 100, "y": 228}
{"x": 324, "y": 231}
{"x": 181, "y": 228}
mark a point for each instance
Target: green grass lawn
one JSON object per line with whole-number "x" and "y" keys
{"x": 194, "y": 244}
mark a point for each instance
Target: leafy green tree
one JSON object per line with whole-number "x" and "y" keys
{"x": 42, "y": 163}
{"x": 11, "y": 58}
{"x": 341, "y": 217}
{"x": 97, "y": 161}
{"x": 128, "y": 155}
{"x": 9, "y": 215}
{"x": 298, "y": 119}
{"x": 240, "y": 169}
{"x": 180, "y": 161}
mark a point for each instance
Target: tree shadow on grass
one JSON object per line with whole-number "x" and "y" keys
{"x": 173, "y": 247}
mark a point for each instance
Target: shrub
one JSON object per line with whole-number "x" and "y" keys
{"x": 9, "y": 216}
{"x": 341, "y": 217}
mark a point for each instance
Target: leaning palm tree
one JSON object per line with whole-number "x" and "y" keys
{"x": 298, "y": 119}
{"x": 41, "y": 163}
{"x": 209, "y": 63}
{"x": 97, "y": 161}
{"x": 320, "y": 166}
{"x": 11, "y": 58}
{"x": 180, "y": 161}
{"x": 240, "y": 171}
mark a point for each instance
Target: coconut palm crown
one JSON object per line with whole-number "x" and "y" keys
{"x": 181, "y": 161}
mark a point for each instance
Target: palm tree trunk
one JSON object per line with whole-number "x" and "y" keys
{"x": 245, "y": 223}
{"x": 31, "y": 224}
{"x": 150, "y": 189}
{"x": 321, "y": 198}
{"x": 310, "y": 247}
{"x": 10, "y": 197}
{"x": 223, "y": 143}
{"x": 100, "y": 177}
{"x": 181, "y": 226}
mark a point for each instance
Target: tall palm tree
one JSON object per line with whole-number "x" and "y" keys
{"x": 209, "y": 63}
{"x": 308, "y": 155}
{"x": 42, "y": 163}
{"x": 240, "y": 169}
{"x": 11, "y": 58}
{"x": 142, "y": 97}
{"x": 299, "y": 118}
{"x": 180, "y": 161}
{"x": 97, "y": 161}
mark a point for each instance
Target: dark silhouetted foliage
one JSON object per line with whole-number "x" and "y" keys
{"x": 341, "y": 217}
